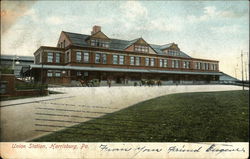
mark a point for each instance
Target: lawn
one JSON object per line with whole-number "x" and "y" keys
{"x": 185, "y": 117}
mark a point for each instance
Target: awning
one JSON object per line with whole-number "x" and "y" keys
{"x": 84, "y": 68}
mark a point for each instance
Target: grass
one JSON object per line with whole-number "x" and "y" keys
{"x": 186, "y": 117}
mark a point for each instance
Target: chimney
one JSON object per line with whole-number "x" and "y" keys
{"x": 95, "y": 29}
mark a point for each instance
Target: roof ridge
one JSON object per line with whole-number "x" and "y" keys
{"x": 75, "y": 33}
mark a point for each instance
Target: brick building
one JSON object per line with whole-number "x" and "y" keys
{"x": 97, "y": 56}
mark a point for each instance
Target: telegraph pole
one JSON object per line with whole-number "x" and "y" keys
{"x": 242, "y": 70}
{"x": 248, "y": 66}
{"x": 245, "y": 64}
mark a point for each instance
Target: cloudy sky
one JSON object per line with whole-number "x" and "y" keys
{"x": 203, "y": 29}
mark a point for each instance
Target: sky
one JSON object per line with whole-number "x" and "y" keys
{"x": 216, "y": 30}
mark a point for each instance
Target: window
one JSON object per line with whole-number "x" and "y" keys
{"x": 104, "y": 58}
{"x": 141, "y": 48}
{"x": 215, "y": 66}
{"x": 67, "y": 57}
{"x": 92, "y": 42}
{"x": 97, "y": 58}
{"x": 121, "y": 60}
{"x": 161, "y": 62}
{"x": 165, "y": 63}
{"x": 78, "y": 73}
{"x": 58, "y": 74}
{"x": 64, "y": 44}
{"x": 57, "y": 57}
{"x": 147, "y": 61}
{"x": 50, "y": 57}
{"x": 152, "y": 62}
{"x": 100, "y": 43}
{"x": 137, "y": 61}
{"x": 173, "y": 53}
{"x": 49, "y": 73}
{"x": 206, "y": 66}
{"x": 78, "y": 56}
{"x": 186, "y": 64}
{"x": 86, "y": 57}
{"x": 175, "y": 64}
{"x": 132, "y": 60}
{"x": 203, "y": 66}
{"x": 196, "y": 65}
{"x": 104, "y": 44}
{"x": 115, "y": 59}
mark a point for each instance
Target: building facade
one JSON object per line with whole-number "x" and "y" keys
{"x": 96, "y": 56}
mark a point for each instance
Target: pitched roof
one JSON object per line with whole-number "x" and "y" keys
{"x": 77, "y": 39}
{"x": 158, "y": 49}
{"x": 117, "y": 44}
{"x": 226, "y": 77}
{"x": 166, "y": 45}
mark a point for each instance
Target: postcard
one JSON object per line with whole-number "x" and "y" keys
{"x": 124, "y": 79}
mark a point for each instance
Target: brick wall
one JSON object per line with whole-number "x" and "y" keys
{"x": 9, "y": 80}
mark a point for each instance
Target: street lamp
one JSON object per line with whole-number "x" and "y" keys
{"x": 14, "y": 62}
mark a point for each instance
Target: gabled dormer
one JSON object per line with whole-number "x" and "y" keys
{"x": 63, "y": 40}
{"x": 171, "y": 49}
{"x": 139, "y": 45}
{"x": 98, "y": 38}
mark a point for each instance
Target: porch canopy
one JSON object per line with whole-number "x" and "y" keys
{"x": 83, "y": 68}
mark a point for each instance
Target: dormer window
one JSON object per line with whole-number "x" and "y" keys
{"x": 99, "y": 43}
{"x": 173, "y": 52}
{"x": 141, "y": 48}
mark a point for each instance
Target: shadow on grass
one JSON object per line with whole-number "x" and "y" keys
{"x": 185, "y": 117}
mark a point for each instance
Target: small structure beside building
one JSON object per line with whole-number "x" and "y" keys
{"x": 15, "y": 63}
{"x": 227, "y": 79}
{"x": 9, "y": 83}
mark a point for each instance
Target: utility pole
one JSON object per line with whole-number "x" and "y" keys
{"x": 248, "y": 66}
{"x": 235, "y": 72}
{"x": 242, "y": 70}
{"x": 245, "y": 65}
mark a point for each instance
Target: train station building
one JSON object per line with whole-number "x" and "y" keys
{"x": 98, "y": 56}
